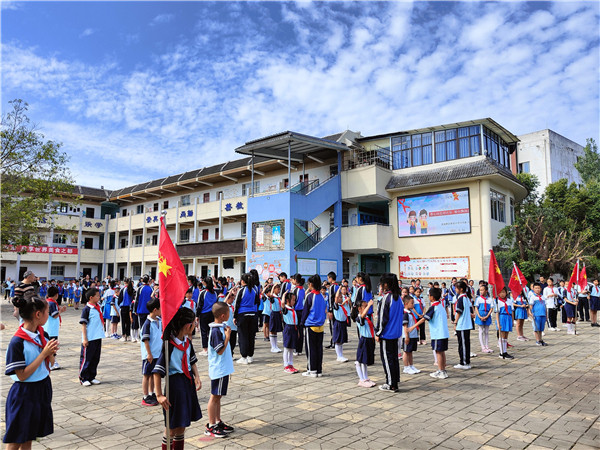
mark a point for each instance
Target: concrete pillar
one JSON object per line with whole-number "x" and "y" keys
{"x": 144, "y": 234}
{"x": 49, "y": 256}
{"x": 128, "y": 269}
{"x": 176, "y": 240}
{"x": 116, "y": 245}
{"x": 221, "y": 215}
{"x": 486, "y": 226}
{"x": 195, "y": 237}
{"x": 106, "y": 243}
{"x": 17, "y": 278}
{"x": 79, "y": 238}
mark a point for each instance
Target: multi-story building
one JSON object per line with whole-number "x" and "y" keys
{"x": 424, "y": 203}
{"x": 550, "y": 156}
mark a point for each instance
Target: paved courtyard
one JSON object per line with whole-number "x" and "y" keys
{"x": 546, "y": 398}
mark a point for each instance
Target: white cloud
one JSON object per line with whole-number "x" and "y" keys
{"x": 161, "y": 18}
{"x": 87, "y": 32}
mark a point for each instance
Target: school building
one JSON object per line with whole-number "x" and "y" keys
{"x": 424, "y": 203}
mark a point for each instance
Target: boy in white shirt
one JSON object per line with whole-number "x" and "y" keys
{"x": 551, "y": 295}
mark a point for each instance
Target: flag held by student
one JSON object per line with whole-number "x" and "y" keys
{"x": 494, "y": 275}
{"x": 574, "y": 277}
{"x": 517, "y": 281}
{"x": 171, "y": 276}
{"x": 583, "y": 278}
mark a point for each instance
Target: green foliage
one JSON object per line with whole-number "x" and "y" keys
{"x": 588, "y": 165}
{"x": 34, "y": 174}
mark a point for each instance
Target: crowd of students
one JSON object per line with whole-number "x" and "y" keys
{"x": 228, "y": 315}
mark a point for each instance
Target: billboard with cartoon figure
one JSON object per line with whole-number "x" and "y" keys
{"x": 435, "y": 213}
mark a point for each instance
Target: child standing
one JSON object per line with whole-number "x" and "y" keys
{"x": 341, "y": 311}
{"x": 410, "y": 335}
{"x": 29, "y": 356}
{"x": 266, "y": 311}
{"x": 419, "y": 309}
{"x": 571, "y": 311}
{"x": 92, "y": 332}
{"x": 182, "y": 404}
{"x": 220, "y": 366}
{"x": 290, "y": 332}
{"x": 77, "y": 293}
{"x": 521, "y": 306}
{"x": 595, "y": 302}
{"x": 151, "y": 346}
{"x": 206, "y": 300}
{"x": 483, "y": 312}
{"x": 365, "y": 353}
{"x": 107, "y": 299}
{"x": 537, "y": 312}
{"x": 275, "y": 321}
{"x": 71, "y": 292}
{"x": 504, "y": 322}
{"x": 230, "y": 323}
{"x": 299, "y": 306}
{"x": 389, "y": 330}
{"x": 115, "y": 313}
{"x": 313, "y": 319}
{"x": 463, "y": 325}
{"x": 437, "y": 318}
{"x": 551, "y": 296}
{"x": 52, "y": 325}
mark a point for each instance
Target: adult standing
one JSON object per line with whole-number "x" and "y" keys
{"x": 583, "y": 303}
{"x": 244, "y": 316}
{"x": 26, "y": 287}
{"x": 144, "y": 293}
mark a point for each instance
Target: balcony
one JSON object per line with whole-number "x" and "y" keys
{"x": 365, "y": 183}
{"x": 374, "y": 238}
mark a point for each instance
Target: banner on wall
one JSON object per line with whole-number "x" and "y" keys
{"x": 307, "y": 266}
{"x": 434, "y": 213}
{"x": 276, "y": 235}
{"x": 268, "y": 236}
{"x": 327, "y": 266}
{"x": 435, "y": 268}
{"x": 40, "y": 249}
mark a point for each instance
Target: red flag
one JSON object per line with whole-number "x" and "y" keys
{"x": 494, "y": 275}
{"x": 583, "y": 279}
{"x": 517, "y": 281}
{"x": 574, "y": 277}
{"x": 171, "y": 276}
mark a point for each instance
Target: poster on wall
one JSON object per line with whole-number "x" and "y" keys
{"x": 307, "y": 266}
{"x": 268, "y": 236}
{"x": 434, "y": 268}
{"x": 266, "y": 268}
{"x": 327, "y": 266}
{"x": 276, "y": 235}
{"x": 434, "y": 213}
{"x": 260, "y": 237}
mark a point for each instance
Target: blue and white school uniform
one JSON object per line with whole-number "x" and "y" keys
{"x": 290, "y": 327}
{"x": 299, "y": 307}
{"x": 484, "y": 305}
{"x": 77, "y": 293}
{"x": 595, "y": 297}
{"x": 232, "y": 325}
{"x": 28, "y": 403}
{"x": 571, "y": 310}
{"x": 107, "y": 299}
{"x": 538, "y": 309}
{"x": 115, "y": 310}
{"x": 362, "y": 295}
{"x": 340, "y": 323}
{"x": 185, "y": 408}
{"x": 365, "y": 352}
{"x": 389, "y": 329}
{"x": 90, "y": 355}
{"x": 438, "y": 326}
{"x": 409, "y": 319}
{"x": 206, "y": 300}
{"x": 520, "y": 313}
{"x": 71, "y": 291}
{"x": 52, "y": 325}
{"x": 505, "y": 309}
{"x": 151, "y": 332}
{"x": 275, "y": 321}
{"x": 266, "y": 309}
{"x": 219, "y": 366}
{"x": 464, "y": 325}
{"x": 43, "y": 290}
{"x": 189, "y": 304}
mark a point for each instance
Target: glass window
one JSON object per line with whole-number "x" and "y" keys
{"x": 140, "y": 209}
{"x": 440, "y": 151}
{"x": 451, "y": 149}
{"x": 184, "y": 235}
{"x": 411, "y": 151}
{"x": 137, "y": 240}
{"x": 57, "y": 271}
{"x": 512, "y": 211}
{"x": 59, "y": 239}
{"x": 475, "y": 147}
{"x": 463, "y": 144}
{"x": 450, "y": 134}
{"x": 524, "y": 167}
{"x": 498, "y": 206}
{"x": 185, "y": 200}
{"x": 496, "y": 148}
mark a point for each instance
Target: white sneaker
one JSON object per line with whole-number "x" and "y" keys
{"x": 443, "y": 375}
{"x": 462, "y": 367}
{"x": 86, "y": 383}
{"x": 557, "y": 329}
{"x": 415, "y": 370}
{"x": 473, "y": 355}
{"x": 203, "y": 353}
{"x": 95, "y": 382}
{"x": 242, "y": 361}
{"x": 342, "y": 359}
{"x": 406, "y": 369}
{"x": 276, "y": 350}
{"x": 134, "y": 340}
{"x": 123, "y": 339}
{"x": 295, "y": 353}
{"x": 435, "y": 374}
{"x": 250, "y": 359}
{"x": 310, "y": 373}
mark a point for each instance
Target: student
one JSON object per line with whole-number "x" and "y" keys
{"x": 419, "y": 309}
{"x": 483, "y": 312}
{"x": 437, "y": 318}
{"x": 389, "y": 330}
{"x": 299, "y": 307}
{"x": 410, "y": 339}
{"x": 220, "y": 367}
{"x": 29, "y": 356}
{"x": 52, "y": 325}
{"x": 206, "y": 300}
{"x": 127, "y": 293}
{"x": 365, "y": 352}
{"x": 463, "y": 325}
{"x": 570, "y": 308}
{"x": 71, "y": 292}
{"x": 537, "y": 312}
{"x": 313, "y": 319}
{"x": 246, "y": 301}
{"x": 182, "y": 404}
{"x": 595, "y": 302}
{"x": 266, "y": 311}
{"x": 188, "y": 300}
{"x": 332, "y": 290}
{"x": 77, "y": 294}
{"x": 151, "y": 346}
{"x": 233, "y": 336}
{"x": 115, "y": 314}
{"x": 521, "y": 306}
{"x": 290, "y": 332}
{"x": 364, "y": 290}
{"x": 42, "y": 292}
{"x": 504, "y": 322}
{"x": 107, "y": 299}
{"x": 341, "y": 312}
{"x": 276, "y": 320}
{"x": 92, "y": 332}
{"x": 551, "y": 297}
{"x": 142, "y": 297}
{"x": 583, "y": 304}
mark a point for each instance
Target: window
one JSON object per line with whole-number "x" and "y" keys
{"x": 524, "y": 167}
{"x": 57, "y": 271}
{"x": 88, "y": 242}
{"x": 457, "y": 143}
{"x": 124, "y": 212}
{"x": 89, "y": 212}
{"x": 498, "y": 204}
{"x": 184, "y": 235}
{"x": 166, "y": 204}
{"x": 228, "y": 263}
{"x": 155, "y": 239}
{"x": 138, "y": 240}
{"x": 123, "y": 243}
{"x": 139, "y": 209}
{"x": 59, "y": 239}
{"x": 243, "y": 229}
{"x": 512, "y": 211}
{"x": 111, "y": 241}
{"x": 206, "y": 197}
{"x": 216, "y": 234}
{"x": 155, "y": 207}
{"x": 246, "y": 188}
{"x": 333, "y": 170}
{"x": 411, "y": 151}
{"x": 137, "y": 270}
{"x": 205, "y": 235}
{"x": 63, "y": 208}
{"x": 496, "y": 148}
{"x": 286, "y": 184}
{"x": 185, "y": 200}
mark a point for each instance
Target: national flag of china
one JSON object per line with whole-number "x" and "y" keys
{"x": 583, "y": 279}
{"x": 494, "y": 275}
{"x": 171, "y": 276}
{"x": 517, "y": 281}
{"x": 574, "y": 276}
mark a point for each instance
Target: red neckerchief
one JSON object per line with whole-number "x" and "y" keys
{"x": 344, "y": 309}
{"x": 539, "y": 298}
{"x": 412, "y": 313}
{"x": 484, "y": 304}
{"x": 51, "y": 300}
{"x": 183, "y": 348}
{"x": 371, "y": 327}
{"x": 97, "y": 308}
{"x": 459, "y": 297}
{"x": 278, "y": 301}
{"x": 315, "y": 292}
{"x": 420, "y": 300}
{"x": 293, "y": 314}
{"x": 505, "y": 305}
{"x": 21, "y": 333}
{"x": 434, "y": 304}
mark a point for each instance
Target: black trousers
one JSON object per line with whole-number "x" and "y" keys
{"x": 563, "y": 314}
{"x": 388, "y": 349}
{"x": 314, "y": 350}
{"x": 583, "y": 308}
{"x": 422, "y": 331}
{"x": 142, "y": 319}
{"x": 125, "y": 321}
{"x": 232, "y": 340}
{"x": 89, "y": 359}
{"x": 247, "y": 324}
{"x": 552, "y": 315}
{"x": 464, "y": 346}
{"x": 331, "y": 332}
{"x": 300, "y": 338}
{"x": 205, "y": 320}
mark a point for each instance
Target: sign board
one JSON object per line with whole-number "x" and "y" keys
{"x": 327, "y": 266}
{"x": 307, "y": 266}
{"x": 435, "y": 268}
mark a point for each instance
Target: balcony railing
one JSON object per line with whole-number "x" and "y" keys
{"x": 379, "y": 157}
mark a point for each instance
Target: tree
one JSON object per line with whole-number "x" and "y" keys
{"x": 34, "y": 175}
{"x": 588, "y": 165}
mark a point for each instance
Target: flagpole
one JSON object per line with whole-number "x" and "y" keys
{"x": 166, "y": 344}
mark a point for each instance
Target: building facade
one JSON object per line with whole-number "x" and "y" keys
{"x": 424, "y": 203}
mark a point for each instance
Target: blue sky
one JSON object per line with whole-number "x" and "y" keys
{"x": 140, "y": 90}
